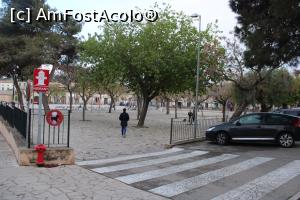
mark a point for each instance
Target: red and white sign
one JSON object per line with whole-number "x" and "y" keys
{"x": 40, "y": 80}
{"x": 54, "y": 117}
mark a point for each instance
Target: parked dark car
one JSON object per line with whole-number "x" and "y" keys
{"x": 293, "y": 111}
{"x": 275, "y": 127}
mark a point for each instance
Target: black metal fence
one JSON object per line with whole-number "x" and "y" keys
{"x": 52, "y": 136}
{"x": 183, "y": 130}
{"x": 15, "y": 117}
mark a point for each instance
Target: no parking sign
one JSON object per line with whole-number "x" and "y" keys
{"x": 54, "y": 117}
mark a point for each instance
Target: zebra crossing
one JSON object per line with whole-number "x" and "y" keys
{"x": 177, "y": 172}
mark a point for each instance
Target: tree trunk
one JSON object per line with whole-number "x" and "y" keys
{"x": 139, "y": 107}
{"x": 156, "y": 104}
{"x": 168, "y": 106}
{"x": 111, "y": 103}
{"x": 240, "y": 109}
{"x": 84, "y": 109}
{"x": 19, "y": 93}
{"x": 176, "y": 104}
{"x": 143, "y": 112}
{"x": 223, "y": 111}
{"x": 45, "y": 103}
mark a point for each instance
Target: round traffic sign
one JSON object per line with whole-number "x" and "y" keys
{"x": 54, "y": 117}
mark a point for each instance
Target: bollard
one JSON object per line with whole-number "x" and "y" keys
{"x": 40, "y": 158}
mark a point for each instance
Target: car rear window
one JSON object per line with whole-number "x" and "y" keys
{"x": 278, "y": 120}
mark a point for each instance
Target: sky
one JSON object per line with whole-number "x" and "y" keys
{"x": 210, "y": 10}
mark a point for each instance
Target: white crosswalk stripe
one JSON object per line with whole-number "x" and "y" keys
{"x": 185, "y": 185}
{"x": 133, "y": 178}
{"x": 261, "y": 186}
{"x": 130, "y": 157}
{"x": 148, "y": 162}
{"x": 160, "y": 179}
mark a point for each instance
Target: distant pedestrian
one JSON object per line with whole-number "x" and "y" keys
{"x": 124, "y": 118}
{"x": 190, "y": 114}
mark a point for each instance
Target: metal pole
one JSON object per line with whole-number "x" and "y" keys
{"x": 39, "y": 137}
{"x": 13, "y": 96}
{"x": 171, "y": 132}
{"x": 69, "y": 115}
{"x": 28, "y": 128}
{"x": 197, "y": 83}
{"x": 28, "y": 116}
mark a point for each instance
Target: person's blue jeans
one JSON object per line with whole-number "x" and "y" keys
{"x": 123, "y": 130}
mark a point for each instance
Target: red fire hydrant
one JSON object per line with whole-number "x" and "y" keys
{"x": 40, "y": 148}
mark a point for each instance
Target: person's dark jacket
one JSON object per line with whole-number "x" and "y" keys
{"x": 124, "y": 118}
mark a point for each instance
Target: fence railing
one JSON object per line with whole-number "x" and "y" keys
{"x": 15, "y": 117}
{"x": 183, "y": 130}
{"x": 52, "y": 136}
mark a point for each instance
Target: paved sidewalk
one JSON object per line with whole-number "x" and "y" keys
{"x": 7, "y": 157}
{"x": 64, "y": 183}
{"x": 59, "y": 183}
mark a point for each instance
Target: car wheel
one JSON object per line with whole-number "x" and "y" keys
{"x": 222, "y": 138}
{"x": 286, "y": 140}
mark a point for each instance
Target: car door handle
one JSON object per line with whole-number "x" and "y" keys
{"x": 258, "y": 127}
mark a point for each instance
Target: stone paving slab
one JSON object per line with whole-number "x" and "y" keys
{"x": 64, "y": 182}
{"x": 7, "y": 157}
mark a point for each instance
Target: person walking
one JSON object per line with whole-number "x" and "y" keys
{"x": 124, "y": 118}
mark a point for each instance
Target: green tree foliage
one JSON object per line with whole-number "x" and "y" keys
{"x": 296, "y": 95}
{"x": 270, "y": 30}
{"x": 20, "y": 42}
{"x": 102, "y": 52}
{"x": 25, "y": 46}
{"x": 155, "y": 58}
{"x": 276, "y": 90}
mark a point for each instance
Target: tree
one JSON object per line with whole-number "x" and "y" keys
{"x": 154, "y": 58}
{"x": 270, "y": 30}
{"x": 85, "y": 86}
{"x": 276, "y": 90}
{"x": 102, "y": 53}
{"x": 296, "y": 95}
{"x": 160, "y": 56}
{"x": 245, "y": 79}
{"x": 222, "y": 93}
{"x": 62, "y": 51}
{"x": 28, "y": 45}
{"x": 21, "y": 43}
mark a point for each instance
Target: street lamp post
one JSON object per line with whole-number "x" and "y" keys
{"x": 197, "y": 76}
